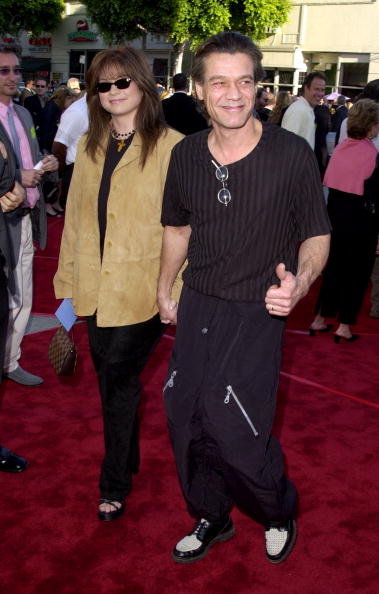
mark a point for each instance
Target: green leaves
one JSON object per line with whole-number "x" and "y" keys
{"x": 34, "y": 16}
{"x": 185, "y": 20}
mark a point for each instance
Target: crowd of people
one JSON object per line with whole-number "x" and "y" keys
{"x": 228, "y": 185}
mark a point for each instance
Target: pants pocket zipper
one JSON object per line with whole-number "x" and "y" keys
{"x": 170, "y": 381}
{"x": 231, "y": 392}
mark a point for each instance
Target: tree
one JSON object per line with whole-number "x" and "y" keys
{"x": 185, "y": 20}
{"x": 34, "y": 16}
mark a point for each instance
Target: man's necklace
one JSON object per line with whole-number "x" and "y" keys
{"x": 121, "y": 137}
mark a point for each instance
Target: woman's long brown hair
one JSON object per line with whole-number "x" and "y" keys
{"x": 149, "y": 120}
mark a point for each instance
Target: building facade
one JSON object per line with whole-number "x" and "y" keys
{"x": 338, "y": 37}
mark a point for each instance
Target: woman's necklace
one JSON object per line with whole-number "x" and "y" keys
{"x": 121, "y": 137}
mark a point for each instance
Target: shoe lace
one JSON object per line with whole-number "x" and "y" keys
{"x": 200, "y": 528}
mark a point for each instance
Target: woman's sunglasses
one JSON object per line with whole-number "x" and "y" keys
{"x": 121, "y": 83}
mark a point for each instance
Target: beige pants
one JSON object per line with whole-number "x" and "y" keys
{"x": 20, "y": 304}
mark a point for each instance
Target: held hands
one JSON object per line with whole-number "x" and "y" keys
{"x": 281, "y": 299}
{"x": 167, "y": 310}
{"x": 30, "y": 178}
{"x": 49, "y": 163}
{"x": 13, "y": 199}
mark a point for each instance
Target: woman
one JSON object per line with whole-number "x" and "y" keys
{"x": 353, "y": 211}
{"x": 282, "y": 102}
{"x": 109, "y": 259}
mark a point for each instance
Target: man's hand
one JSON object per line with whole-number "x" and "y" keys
{"x": 3, "y": 150}
{"x": 50, "y": 163}
{"x": 30, "y": 178}
{"x": 167, "y": 310}
{"x": 281, "y": 299}
{"x": 13, "y": 199}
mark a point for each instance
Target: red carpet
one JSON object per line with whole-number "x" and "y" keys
{"x": 328, "y": 418}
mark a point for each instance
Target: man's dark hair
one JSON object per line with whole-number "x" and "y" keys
{"x": 180, "y": 82}
{"x": 311, "y": 76}
{"x": 371, "y": 90}
{"x": 341, "y": 100}
{"x": 10, "y": 48}
{"x": 260, "y": 91}
{"x": 228, "y": 42}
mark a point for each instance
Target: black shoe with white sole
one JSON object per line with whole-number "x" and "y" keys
{"x": 195, "y": 545}
{"x": 280, "y": 541}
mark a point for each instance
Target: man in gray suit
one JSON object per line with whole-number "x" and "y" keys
{"x": 11, "y": 196}
{"x": 17, "y": 124}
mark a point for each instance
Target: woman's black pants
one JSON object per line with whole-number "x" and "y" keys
{"x": 119, "y": 355}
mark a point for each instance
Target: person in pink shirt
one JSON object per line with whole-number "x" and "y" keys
{"x": 16, "y": 122}
{"x": 353, "y": 182}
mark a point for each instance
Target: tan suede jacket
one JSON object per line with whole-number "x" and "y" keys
{"x": 121, "y": 288}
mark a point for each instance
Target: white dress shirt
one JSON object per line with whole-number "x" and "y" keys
{"x": 300, "y": 119}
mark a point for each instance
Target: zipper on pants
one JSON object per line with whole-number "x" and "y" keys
{"x": 170, "y": 381}
{"x": 231, "y": 392}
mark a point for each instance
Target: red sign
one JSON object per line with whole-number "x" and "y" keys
{"x": 40, "y": 41}
{"x": 82, "y": 25}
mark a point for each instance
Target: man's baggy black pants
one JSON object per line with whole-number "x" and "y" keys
{"x": 220, "y": 398}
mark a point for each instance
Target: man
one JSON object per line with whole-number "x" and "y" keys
{"x": 261, "y": 101}
{"x": 17, "y": 124}
{"x": 36, "y": 105}
{"x": 238, "y": 200}
{"x": 299, "y": 117}
{"x": 322, "y": 119}
{"x": 74, "y": 84}
{"x": 28, "y": 91}
{"x": 180, "y": 110}
{"x": 11, "y": 196}
{"x": 73, "y": 124}
{"x": 339, "y": 116}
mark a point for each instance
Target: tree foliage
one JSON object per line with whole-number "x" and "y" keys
{"x": 34, "y": 16}
{"x": 182, "y": 20}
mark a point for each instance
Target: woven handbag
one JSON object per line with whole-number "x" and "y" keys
{"x": 62, "y": 353}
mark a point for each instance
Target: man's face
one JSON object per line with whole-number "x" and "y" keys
{"x": 315, "y": 92}
{"x": 10, "y": 75}
{"x": 75, "y": 86}
{"x": 228, "y": 90}
{"x": 41, "y": 87}
{"x": 262, "y": 100}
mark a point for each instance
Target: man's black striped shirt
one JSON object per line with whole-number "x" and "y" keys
{"x": 276, "y": 202}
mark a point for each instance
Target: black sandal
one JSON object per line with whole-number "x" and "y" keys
{"x": 115, "y": 513}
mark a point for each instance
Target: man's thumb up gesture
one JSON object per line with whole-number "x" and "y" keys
{"x": 281, "y": 299}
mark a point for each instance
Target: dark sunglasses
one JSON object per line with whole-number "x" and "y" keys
{"x": 6, "y": 71}
{"x": 121, "y": 83}
{"x": 40, "y": 86}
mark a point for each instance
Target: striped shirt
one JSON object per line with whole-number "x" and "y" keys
{"x": 276, "y": 202}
